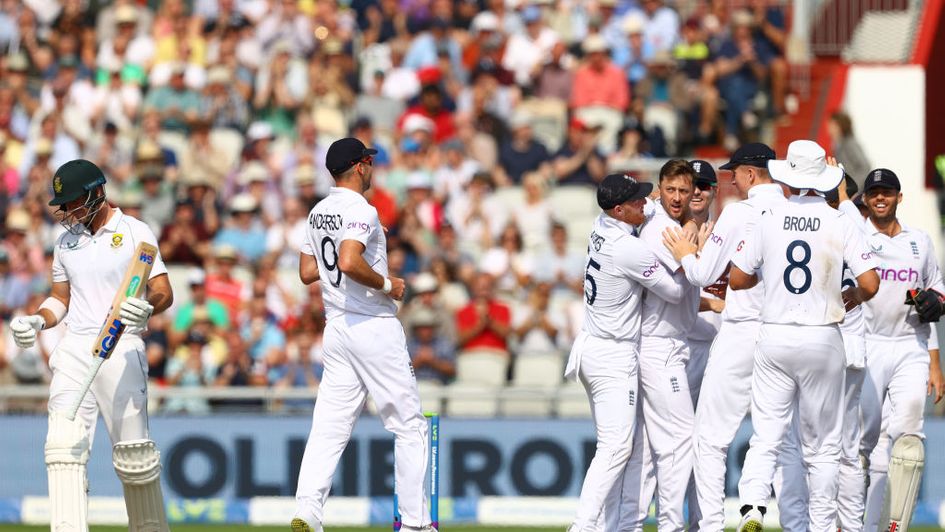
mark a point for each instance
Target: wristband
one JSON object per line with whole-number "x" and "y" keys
{"x": 388, "y": 286}
{"x": 54, "y": 306}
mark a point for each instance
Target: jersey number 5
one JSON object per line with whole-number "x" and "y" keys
{"x": 795, "y": 264}
{"x": 590, "y": 286}
{"x": 332, "y": 266}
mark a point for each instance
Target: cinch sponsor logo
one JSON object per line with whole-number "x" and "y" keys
{"x": 867, "y": 256}
{"x": 108, "y": 343}
{"x": 715, "y": 238}
{"x": 740, "y": 246}
{"x": 146, "y": 258}
{"x": 651, "y": 270}
{"x": 904, "y": 275}
{"x": 133, "y": 286}
{"x": 358, "y": 225}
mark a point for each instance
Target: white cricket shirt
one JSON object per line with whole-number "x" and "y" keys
{"x": 732, "y": 228}
{"x": 618, "y": 267}
{"x": 346, "y": 215}
{"x": 95, "y": 266}
{"x": 800, "y": 247}
{"x": 659, "y": 317}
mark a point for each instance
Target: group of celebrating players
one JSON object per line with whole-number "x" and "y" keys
{"x": 825, "y": 335}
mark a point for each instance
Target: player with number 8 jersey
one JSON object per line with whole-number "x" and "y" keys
{"x": 365, "y": 349}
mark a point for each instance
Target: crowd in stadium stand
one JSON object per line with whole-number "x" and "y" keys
{"x": 211, "y": 120}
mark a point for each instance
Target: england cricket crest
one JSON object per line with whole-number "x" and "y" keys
{"x": 117, "y": 240}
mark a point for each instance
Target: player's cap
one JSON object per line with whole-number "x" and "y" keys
{"x": 225, "y": 252}
{"x": 196, "y": 276}
{"x": 344, "y": 153}
{"x": 423, "y": 317}
{"x": 594, "y": 44}
{"x": 752, "y": 154}
{"x": 304, "y": 175}
{"x": 423, "y": 283}
{"x": 806, "y": 168}
{"x": 75, "y": 179}
{"x": 881, "y": 178}
{"x": 619, "y": 188}
{"x": 243, "y": 203}
{"x": 253, "y": 172}
{"x": 705, "y": 174}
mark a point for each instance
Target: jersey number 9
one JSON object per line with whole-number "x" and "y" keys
{"x": 333, "y": 265}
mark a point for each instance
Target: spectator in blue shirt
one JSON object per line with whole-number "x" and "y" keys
{"x": 432, "y": 355}
{"x": 244, "y": 231}
{"x": 261, "y": 332}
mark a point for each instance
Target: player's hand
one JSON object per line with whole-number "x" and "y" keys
{"x": 24, "y": 329}
{"x": 936, "y": 386}
{"x": 929, "y": 304}
{"x": 851, "y": 298}
{"x": 678, "y": 243}
{"x": 397, "y": 288}
{"x": 719, "y": 289}
{"x": 134, "y": 312}
{"x": 702, "y": 235}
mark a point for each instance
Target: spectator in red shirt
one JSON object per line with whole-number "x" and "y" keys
{"x": 599, "y": 81}
{"x": 184, "y": 240}
{"x": 485, "y": 323}
{"x": 222, "y": 286}
{"x": 431, "y": 106}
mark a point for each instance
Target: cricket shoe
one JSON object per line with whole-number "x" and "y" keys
{"x": 752, "y": 519}
{"x": 299, "y": 525}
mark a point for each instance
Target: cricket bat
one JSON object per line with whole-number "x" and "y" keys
{"x": 133, "y": 285}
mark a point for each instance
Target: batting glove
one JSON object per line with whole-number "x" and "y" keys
{"x": 24, "y": 330}
{"x": 134, "y": 312}
{"x": 929, "y": 304}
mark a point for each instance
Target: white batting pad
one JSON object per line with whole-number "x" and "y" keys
{"x": 67, "y": 452}
{"x": 905, "y": 478}
{"x": 138, "y": 464}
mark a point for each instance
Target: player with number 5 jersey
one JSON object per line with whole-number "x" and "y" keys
{"x": 365, "y": 350}
{"x": 604, "y": 355}
{"x": 800, "y": 248}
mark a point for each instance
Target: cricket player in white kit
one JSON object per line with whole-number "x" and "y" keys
{"x": 605, "y": 354}
{"x": 667, "y": 404}
{"x": 89, "y": 264}
{"x": 800, "y": 249}
{"x": 365, "y": 350}
{"x": 726, "y": 387}
{"x": 898, "y": 366}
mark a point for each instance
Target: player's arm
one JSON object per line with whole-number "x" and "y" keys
{"x": 747, "y": 260}
{"x": 160, "y": 293}
{"x": 859, "y": 258}
{"x": 351, "y": 263}
{"x": 50, "y": 312}
{"x": 936, "y": 378}
{"x": 715, "y": 255}
{"x": 642, "y": 265}
{"x": 59, "y": 292}
{"x": 740, "y": 280}
{"x": 308, "y": 268}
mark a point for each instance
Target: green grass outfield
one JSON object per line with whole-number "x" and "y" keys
{"x": 206, "y": 528}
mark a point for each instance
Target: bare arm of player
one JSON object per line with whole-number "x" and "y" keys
{"x": 308, "y": 268}
{"x": 61, "y": 292}
{"x": 351, "y": 263}
{"x": 867, "y": 286}
{"x": 739, "y": 280}
{"x": 936, "y": 379}
{"x": 715, "y": 305}
{"x": 160, "y": 294}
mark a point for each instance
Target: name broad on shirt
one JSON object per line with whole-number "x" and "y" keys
{"x": 801, "y": 223}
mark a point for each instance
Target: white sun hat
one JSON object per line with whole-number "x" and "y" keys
{"x": 806, "y": 168}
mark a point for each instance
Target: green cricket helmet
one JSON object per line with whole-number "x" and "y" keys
{"x": 75, "y": 179}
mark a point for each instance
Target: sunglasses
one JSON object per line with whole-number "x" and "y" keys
{"x": 704, "y": 186}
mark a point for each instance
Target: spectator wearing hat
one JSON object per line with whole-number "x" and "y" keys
{"x": 536, "y": 328}
{"x": 201, "y": 155}
{"x": 244, "y": 230}
{"x": 176, "y": 104}
{"x": 285, "y": 237}
{"x": 485, "y": 322}
{"x": 52, "y": 148}
{"x": 222, "y": 285}
{"x": 131, "y": 43}
{"x": 509, "y": 264}
{"x": 431, "y": 107}
{"x": 578, "y": 162}
{"x": 257, "y": 181}
{"x": 598, "y": 81}
{"x": 260, "y": 330}
{"x": 451, "y": 178}
{"x": 185, "y": 240}
{"x": 24, "y": 252}
{"x": 200, "y": 306}
{"x": 287, "y": 24}
{"x": 633, "y": 56}
{"x": 304, "y": 177}
{"x": 24, "y": 90}
{"x": 157, "y": 203}
{"x": 526, "y": 51}
{"x": 14, "y": 288}
{"x": 431, "y": 354}
{"x": 661, "y": 26}
{"x": 279, "y": 89}
{"x": 486, "y": 34}
{"x": 309, "y": 151}
{"x": 557, "y": 75}
{"x": 412, "y": 164}
{"x": 112, "y": 153}
{"x": 426, "y": 46}
{"x": 477, "y": 216}
{"x": 534, "y": 216}
{"x": 222, "y": 103}
{"x": 304, "y": 368}
{"x": 189, "y": 371}
{"x": 107, "y": 21}
{"x": 560, "y": 265}
{"x": 522, "y": 153}
{"x": 149, "y": 140}
{"x": 400, "y": 82}
{"x": 197, "y": 189}
{"x": 238, "y": 370}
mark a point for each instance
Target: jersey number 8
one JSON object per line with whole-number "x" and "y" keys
{"x": 333, "y": 265}
{"x": 794, "y": 264}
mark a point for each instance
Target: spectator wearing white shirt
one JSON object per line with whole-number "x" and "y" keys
{"x": 662, "y": 25}
{"x": 563, "y": 267}
{"x": 450, "y": 179}
{"x": 476, "y": 216}
{"x": 533, "y": 217}
{"x": 537, "y": 329}
{"x": 287, "y": 23}
{"x": 128, "y": 45}
{"x": 400, "y": 82}
{"x": 525, "y": 52}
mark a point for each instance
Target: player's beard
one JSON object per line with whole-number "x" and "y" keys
{"x": 75, "y": 225}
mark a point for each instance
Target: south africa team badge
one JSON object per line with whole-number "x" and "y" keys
{"x": 116, "y": 240}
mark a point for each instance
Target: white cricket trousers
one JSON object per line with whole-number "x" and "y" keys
{"x": 797, "y": 368}
{"x": 365, "y": 355}
{"x": 119, "y": 391}
{"x": 608, "y": 370}
{"x": 667, "y": 424}
{"x": 695, "y": 370}
{"x": 723, "y": 403}
{"x": 792, "y": 491}
{"x": 897, "y": 373}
